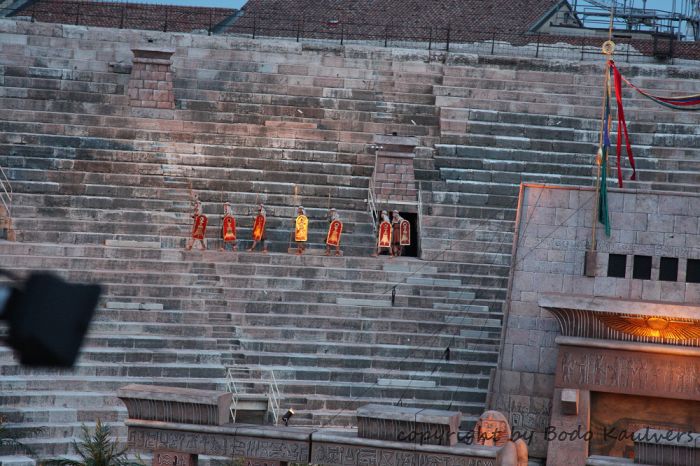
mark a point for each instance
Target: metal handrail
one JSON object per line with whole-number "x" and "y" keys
{"x": 420, "y": 218}
{"x": 372, "y": 193}
{"x": 6, "y": 194}
{"x": 233, "y": 389}
{"x": 273, "y": 391}
{"x": 275, "y": 397}
{"x": 372, "y": 204}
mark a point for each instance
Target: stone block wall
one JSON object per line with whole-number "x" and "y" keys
{"x": 151, "y": 83}
{"x": 395, "y": 180}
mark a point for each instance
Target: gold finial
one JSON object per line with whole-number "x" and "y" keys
{"x": 608, "y": 47}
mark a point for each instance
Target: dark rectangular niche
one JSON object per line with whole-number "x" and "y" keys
{"x": 617, "y": 263}
{"x": 692, "y": 274}
{"x": 668, "y": 269}
{"x": 641, "y": 268}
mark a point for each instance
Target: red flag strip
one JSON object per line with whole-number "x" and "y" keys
{"x": 621, "y": 128}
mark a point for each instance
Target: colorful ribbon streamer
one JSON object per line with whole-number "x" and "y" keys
{"x": 621, "y": 127}
{"x": 675, "y": 103}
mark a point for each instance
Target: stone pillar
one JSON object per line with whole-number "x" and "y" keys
{"x": 394, "y": 178}
{"x": 151, "y": 83}
{"x": 569, "y": 426}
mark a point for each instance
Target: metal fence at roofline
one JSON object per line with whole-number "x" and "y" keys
{"x": 462, "y": 39}
{"x": 168, "y": 18}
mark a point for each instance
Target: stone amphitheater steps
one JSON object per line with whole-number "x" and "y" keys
{"x": 28, "y": 85}
{"x": 257, "y": 118}
{"x": 127, "y": 326}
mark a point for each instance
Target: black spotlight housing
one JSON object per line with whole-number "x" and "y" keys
{"x": 48, "y": 318}
{"x": 287, "y": 416}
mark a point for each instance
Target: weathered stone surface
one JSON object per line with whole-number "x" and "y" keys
{"x": 173, "y": 458}
{"x": 396, "y": 423}
{"x": 570, "y": 401}
{"x": 345, "y": 450}
{"x": 172, "y": 404}
{"x": 625, "y": 369}
{"x": 289, "y": 445}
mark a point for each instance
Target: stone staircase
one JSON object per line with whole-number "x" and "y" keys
{"x": 324, "y": 325}
{"x": 283, "y": 126}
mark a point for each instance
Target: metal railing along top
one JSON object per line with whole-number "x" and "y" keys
{"x": 6, "y": 192}
{"x": 564, "y": 42}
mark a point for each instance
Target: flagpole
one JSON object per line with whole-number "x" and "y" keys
{"x": 608, "y": 49}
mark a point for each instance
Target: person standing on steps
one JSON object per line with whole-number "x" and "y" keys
{"x": 301, "y": 230}
{"x": 396, "y": 239}
{"x": 199, "y": 227}
{"x": 259, "y": 229}
{"x": 228, "y": 230}
{"x": 383, "y": 234}
{"x": 335, "y": 230}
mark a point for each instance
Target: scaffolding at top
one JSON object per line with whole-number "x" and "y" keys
{"x": 681, "y": 22}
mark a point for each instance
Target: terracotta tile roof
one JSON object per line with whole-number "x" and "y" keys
{"x": 407, "y": 18}
{"x": 126, "y": 15}
{"x": 421, "y": 20}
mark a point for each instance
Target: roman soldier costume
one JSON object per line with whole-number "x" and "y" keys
{"x": 401, "y": 233}
{"x": 335, "y": 230}
{"x": 259, "y": 229}
{"x": 383, "y": 233}
{"x": 199, "y": 227}
{"x": 301, "y": 230}
{"x": 228, "y": 229}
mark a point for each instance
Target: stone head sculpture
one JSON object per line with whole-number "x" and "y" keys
{"x": 492, "y": 429}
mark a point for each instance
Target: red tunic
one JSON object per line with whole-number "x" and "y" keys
{"x": 259, "y": 228}
{"x": 334, "y": 231}
{"x": 200, "y": 227}
{"x": 405, "y": 238}
{"x": 228, "y": 229}
{"x": 385, "y": 235}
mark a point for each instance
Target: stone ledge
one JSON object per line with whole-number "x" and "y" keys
{"x": 314, "y": 251}
{"x": 376, "y": 411}
{"x": 406, "y": 383}
{"x": 16, "y": 460}
{"x": 117, "y": 243}
{"x": 152, "y": 61}
{"x": 628, "y": 346}
{"x": 174, "y": 404}
{"x": 396, "y": 154}
{"x": 388, "y": 449}
{"x": 396, "y": 140}
{"x": 615, "y": 305}
{"x": 146, "y": 51}
{"x": 134, "y": 306}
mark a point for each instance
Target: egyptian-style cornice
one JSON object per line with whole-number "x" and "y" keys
{"x": 624, "y": 320}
